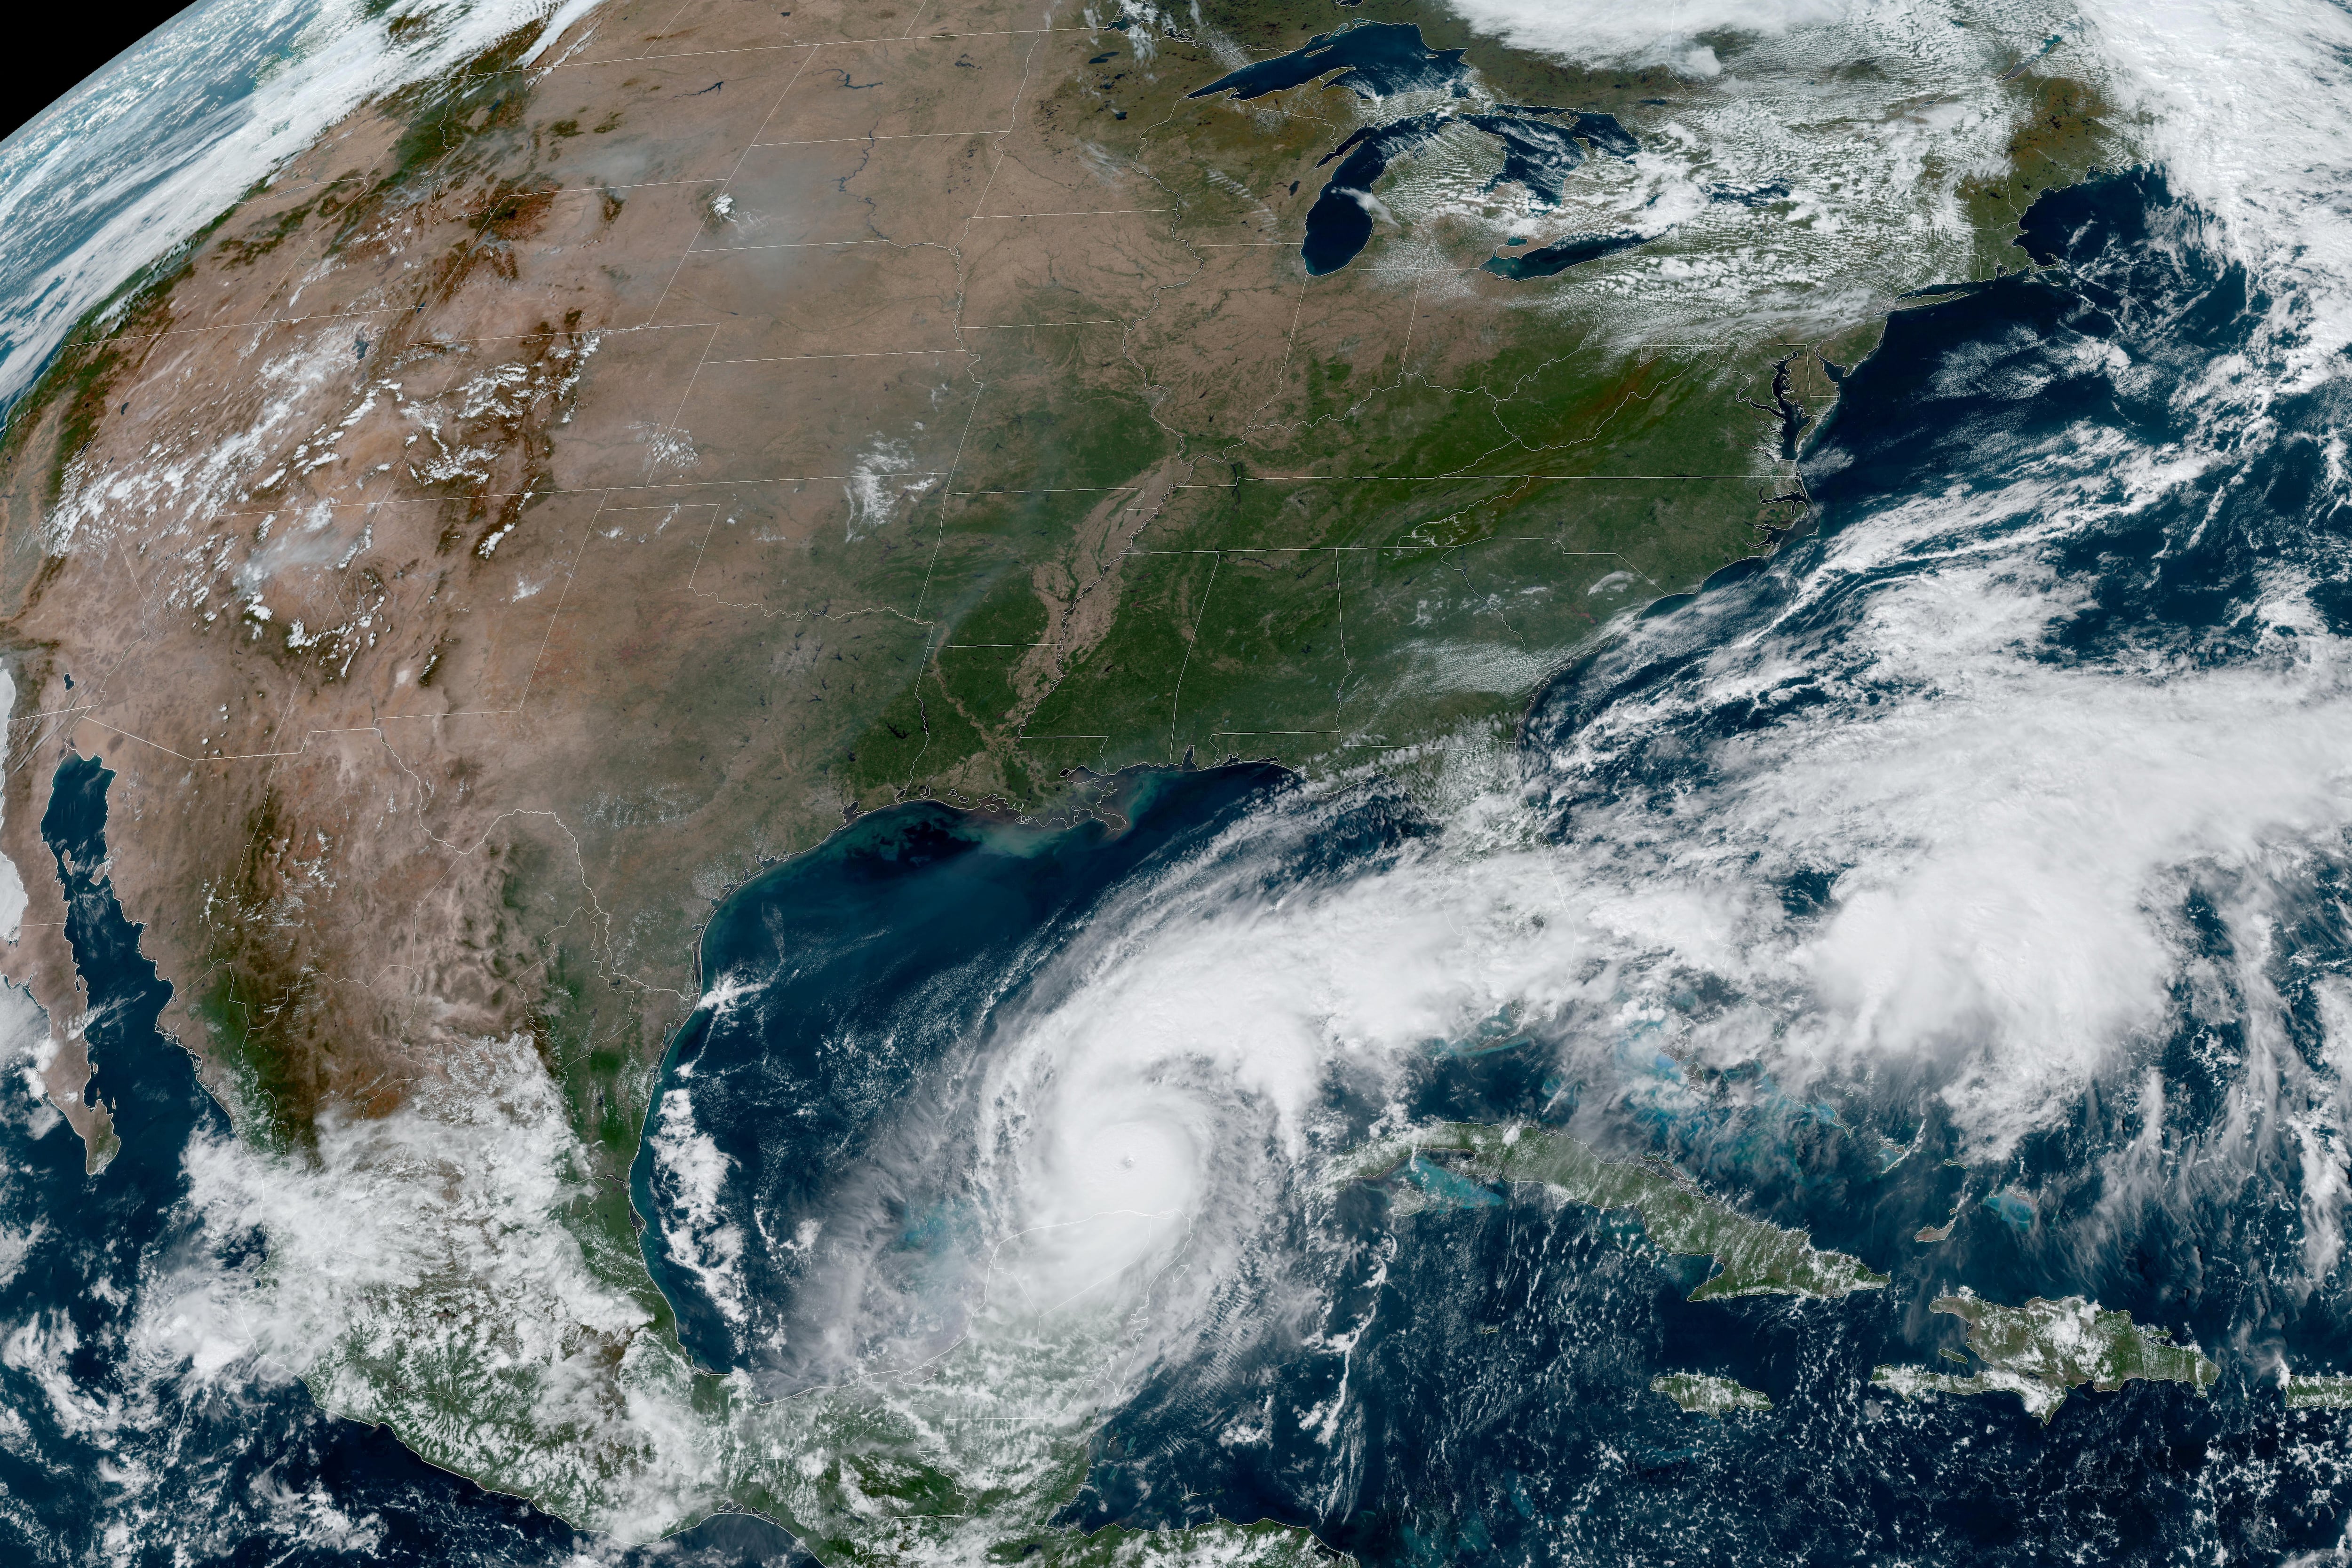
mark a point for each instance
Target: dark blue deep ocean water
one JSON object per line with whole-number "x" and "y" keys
{"x": 880, "y": 952}
{"x": 250, "y": 1474}
{"x": 1503, "y": 1386}
{"x": 1499, "y": 1395}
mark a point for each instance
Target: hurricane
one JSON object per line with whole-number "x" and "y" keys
{"x": 1958, "y": 890}
{"x": 1982, "y": 844}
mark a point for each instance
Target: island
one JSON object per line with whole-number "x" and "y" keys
{"x": 1700, "y": 1395}
{"x": 1753, "y": 1257}
{"x": 2316, "y": 1391}
{"x": 2043, "y": 1349}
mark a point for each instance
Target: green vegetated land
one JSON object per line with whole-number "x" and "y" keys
{"x": 1752, "y": 1258}
{"x": 1700, "y": 1395}
{"x": 2316, "y": 1391}
{"x": 1253, "y": 514}
{"x": 1384, "y": 580}
{"x": 1402, "y": 496}
{"x": 971, "y": 1462}
{"x": 2041, "y": 1350}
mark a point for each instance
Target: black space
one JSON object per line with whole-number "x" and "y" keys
{"x": 64, "y": 50}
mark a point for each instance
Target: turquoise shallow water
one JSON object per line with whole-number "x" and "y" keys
{"x": 1496, "y": 1348}
{"x": 862, "y": 968}
{"x": 1499, "y": 1346}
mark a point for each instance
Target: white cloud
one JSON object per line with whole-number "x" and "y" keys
{"x": 1663, "y": 33}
